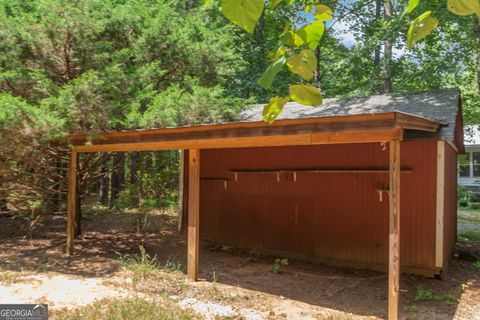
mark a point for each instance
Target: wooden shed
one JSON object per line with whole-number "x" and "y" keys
{"x": 320, "y": 183}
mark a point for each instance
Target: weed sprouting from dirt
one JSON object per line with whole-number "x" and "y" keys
{"x": 172, "y": 266}
{"x": 254, "y": 254}
{"x": 7, "y": 278}
{"x": 278, "y": 264}
{"x": 449, "y": 299}
{"x": 476, "y": 264}
{"x": 423, "y": 294}
{"x": 142, "y": 265}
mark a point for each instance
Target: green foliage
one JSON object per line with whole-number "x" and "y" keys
{"x": 421, "y": 27}
{"x": 303, "y": 63}
{"x": 179, "y": 107}
{"x": 412, "y": 4}
{"x": 476, "y": 264}
{"x": 142, "y": 265}
{"x": 462, "y": 203}
{"x": 243, "y": 13}
{"x": 278, "y": 264}
{"x": 306, "y": 94}
{"x": 273, "y": 109}
{"x": 449, "y": 299}
{"x": 475, "y": 205}
{"x": 267, "y": 78}
{"x": 464, "y": 7}
{"x": 471, "y": 235}
{"x": 474, "y": 196}
{"x": 423, "y": 294}
{"x": 254, "y": 254}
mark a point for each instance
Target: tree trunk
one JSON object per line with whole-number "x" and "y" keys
{"x": 477, "y": 20}
{"x": 104, "y": 180}
{"x": 378, "y": 16}
{"x": 134, "y": 167}
{"x": 118, "y": 177}
{"x": 260, "y": 40}
{"x": 387, "y": 71}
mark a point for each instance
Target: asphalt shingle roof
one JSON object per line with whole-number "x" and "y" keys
{"x": 439, "y": 105}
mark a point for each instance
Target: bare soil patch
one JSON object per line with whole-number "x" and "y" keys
{"x": 230, "y": 279}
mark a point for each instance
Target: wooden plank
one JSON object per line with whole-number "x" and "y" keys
{"x": 72, "y": 201}
{"x": 201, "y": 144}
{"x": 193, "y": 213}
{"x": 394, "y": 232}
{"x": 333, "y": 171}
{"x": 440, "y": 204}
{"x": 181, "y": 177}
{"x": 258, "y": 128}
{"x": 370, "y": 135}
{"x": 364, "y": 136}
{"x": 140, "y": 135}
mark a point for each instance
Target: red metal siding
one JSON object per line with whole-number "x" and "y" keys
{"x": 328, "y": 216}
{"x": 450, "y": 205}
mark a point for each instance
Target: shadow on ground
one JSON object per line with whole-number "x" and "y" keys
{"x": 359, "y": 292}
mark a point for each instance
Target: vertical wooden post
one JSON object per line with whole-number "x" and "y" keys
{"x": 72, "y": 200}
{"x": 394, "y": 234}
{"x": 193, "y": 213}
{"x": 181, "y": 177}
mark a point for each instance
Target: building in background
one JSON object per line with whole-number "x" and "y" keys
{"x": 469, "y": 163}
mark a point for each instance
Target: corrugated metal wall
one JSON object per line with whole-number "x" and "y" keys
{"x": 331, "y": 217}
{"x": 450, "y": 213}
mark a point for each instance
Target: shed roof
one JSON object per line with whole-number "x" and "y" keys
{"x": 432, "y": 115}
{"x": 441, "y": 106}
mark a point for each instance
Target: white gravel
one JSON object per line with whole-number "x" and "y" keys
{"x": 210, "y": 310}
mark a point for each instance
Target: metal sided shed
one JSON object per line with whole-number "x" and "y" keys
{"x": 324, "y": 183}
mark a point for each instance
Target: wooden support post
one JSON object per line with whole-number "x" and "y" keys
{"x": 193, "y": 213}
{"x": 394, "y": 237}
{"x": 72, "y": 199}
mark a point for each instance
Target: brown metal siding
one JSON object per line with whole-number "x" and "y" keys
{"x": 334, "y": 217}
{"x": 450, "y": 205}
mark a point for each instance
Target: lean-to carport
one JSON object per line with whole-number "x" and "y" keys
{"x": 385, "y": 128}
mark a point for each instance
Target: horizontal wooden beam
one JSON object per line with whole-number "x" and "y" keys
{"x": 234, "y": 128}
{"x": 351, "y": 171}
{"x": 322, "y": 130}
{"x": 251, "y": 141}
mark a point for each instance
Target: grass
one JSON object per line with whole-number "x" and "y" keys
{"x": 471, "y": 235}
{"x": 7, "y": 278}
{"x": 124, "y": 309}
{"x": 143, "y": 266}
{"x": 423, "y": 294}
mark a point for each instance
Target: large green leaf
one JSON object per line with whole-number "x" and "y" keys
{"x": 412, "y": 4}
{"x": 303, "y": 64}
{"x": 421, "y": 27}
{"x": 244, "y": 13}
{"x": 275, "y": 3}
{"x": 272, "y": 70}
{"x": 312, "y": 34}
{"x": 323, "y": 13}
{"x": 274, "y": 108}
{"x": 464, "y": 7}
{"x": 306, "y": 94}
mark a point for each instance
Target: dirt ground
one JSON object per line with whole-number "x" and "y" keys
{"x": 233, "y": 284}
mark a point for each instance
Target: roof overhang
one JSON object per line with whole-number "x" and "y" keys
{"x": 378, "y": 127}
